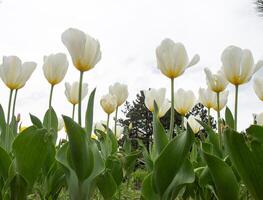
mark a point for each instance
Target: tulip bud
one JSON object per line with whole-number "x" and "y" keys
{"x": 216, "y": 82}
{"x": 258, "y": 87}
{"x": 60, "y": 124}
{"x": 84, "y": 50}
{"x": 120, "y": 91}
{"x": 259, "y": 119}
{"x": 55, "y": 67}
{"x": 158, "y": 96}
{"x": 108, "y": 103}
{"x": 94, "y": 136}
{"x": 238, "y": 65}
{"x": 184, "y": 101}
{"x": 222, "y": 100}
{"x": 15, "y": 74}
{"x": 172, "y": 58}
{"x": 195, "y": 126}
{"x": 72, "y": 92}
{"x": 100, "y": 126}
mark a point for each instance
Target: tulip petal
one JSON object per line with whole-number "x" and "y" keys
{"x": 194, "y": 61}
{"x": 246, "y": 64}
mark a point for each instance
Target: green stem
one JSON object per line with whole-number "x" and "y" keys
{"x": 172, "y": 109}
{"x": 108, "y": 121}
{"x": 218, "y": 113}
{"x": 50, "y": 106}
{"x": 73, "y": 111}
{"x": 14, "y": 103}
{"x": 209, "y": 119}
{"x": 116, "y": 117}
{"x": 9, "y": 106}
{"x": 182, "y": 121}
{"x": 80, "y": 94}
{"x": 236, "y": 102}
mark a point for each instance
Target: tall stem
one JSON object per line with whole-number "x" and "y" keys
{"x": 209, "y": 119}
{"x": 9, "y": 106}
{"x": 236, "y": 102}
{"x": 116, "y": 118}
{"x": 80, "y": 95}
{"x": 218, "y": 113}
{"x": 182, "y": 121}
{"x": 73, "y": 111}
{"x": 14, "y": 103}
{"x": 108, "y": 121}
{"x": 50, "y": 106}
{"x": 172, "y": 109}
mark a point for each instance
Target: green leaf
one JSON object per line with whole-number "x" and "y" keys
{"x": 35, "y": 121}
{"x": 170, "y": 160}
{"x": 247, "y": 162}
{"x": 148, "y": 192}
{"x": 2, "y": 119}
{"x": 18, "y": 188}
{"x": 81, "y": 155}
{"x": 129, "y": 162}
{"x": 115, "y": 168}
{"x": 106, "y": 185}
{"x": 223, "y": 176}
{"x": 89, "y": 113}
{"x": 229, "y": 118}
{"x": 5, "y": 162}
{"x": 160, "y": 137}
{"x": 30, "y": 151}
{"x": 256, "y": 132}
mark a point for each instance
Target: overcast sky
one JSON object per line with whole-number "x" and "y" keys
{"x": 129, "y": 32}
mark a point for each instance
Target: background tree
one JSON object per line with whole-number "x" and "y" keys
{"x": 140, "y": 118}
{"x": 259, "y": 6}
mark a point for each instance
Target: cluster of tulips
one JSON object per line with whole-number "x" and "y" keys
{"x": 178, "y": 164}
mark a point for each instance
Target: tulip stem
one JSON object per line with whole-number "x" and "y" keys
{"x": 218, "y": 113}
{"x": 108, "y": 121}
{"x": 209, "y": 119}
{"x": 73, "y": 111}
{"x": 172, "y": 109}
{"x": 182, "y": 122}
{"x": 236, "y": 102}
{"x": 80, "y": 95}
{"x": 116, "y": 118}
{"x": 50, "y": 106}
{"x": 14, "y": 103}
{"x": 9, "y": 107}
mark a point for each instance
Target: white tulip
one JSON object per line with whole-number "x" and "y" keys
{"x": 109, "y": 103}
{"x": 258, "y": 87}
{"x": 222, "y": 100}
{"x": 84, "y": 50}
{"x": 238, "y": 65}
{"x": 100, "y": 126}
{"x": 94, "y": 136}
{"x": 60, "y": 124}
{"x": 119, "y": 132}
{"x": 184, "y": 101}
{"x": 172, "y": 58}
{"x": 157, "y": 95}
{"x": 259, "y": 119}
{"x": 216, "y": 82}
{"x": 15, "y": 74}
{"x": 195, "y": 126}
{"x": 55, "y": 67}
{"x": 120, "y": 91}
{"x": 72, "y": 92}
{"x": 206, "y": 97}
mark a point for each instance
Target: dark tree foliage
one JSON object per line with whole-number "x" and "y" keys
{"x": 137, "y": 114}
{"x": 259, "y": 6}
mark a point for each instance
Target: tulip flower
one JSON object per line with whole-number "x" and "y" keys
{"x": 195, "y": 126}
{"x": 60, "y": 124}
{"x": 206, "y": 97}
{"x": 184, "y": 101}
{"x": 72, "y": 93}
{"x": 157, "y": 96}
{"x": 119, "y": 132}
{"x": 238, "y": 67}
{"x": 108, "y": 103}
{"x": 15, "y": 74}
{"x": 121, "y": 93}
{"x": 222, "y": 101}
{"x": 85, "y": 53}
{"x": 216, "y": 82}
{"x": 172, "y": 60}
{"x": 100, "y": 126}
{"x": 258, "y": 87}
{"x": 259, "y": 119}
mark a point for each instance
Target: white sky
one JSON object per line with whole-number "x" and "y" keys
{"x": 129, "y": 32}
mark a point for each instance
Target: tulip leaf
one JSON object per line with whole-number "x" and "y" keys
{"x": 129, "y": 162}
{"x": 106, "y": 185}
{"x": 2, "y": 120}
{"x": 248, "y": 162}
{"x": 256, "y": 132}
{"x": 35, "y": 121}
{"x": 166, "y": 166}
{"x": 30, "y": 151}
{"x": 5, "y": 162}
{"x": 160, "y": 137}
{"x": 89, "y": 113}
{"x": 223, "y": 177}
{"x": 81, "y": 155}
{"x": 18, "y": 187}
{"x": 229, "y": 118}
{"x": 115, "y": 168}
{"x": 148, "y": 192}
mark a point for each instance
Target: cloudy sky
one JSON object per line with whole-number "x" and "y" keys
{"x": 129, "y": 32}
